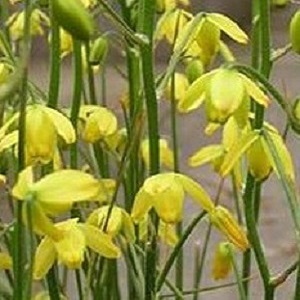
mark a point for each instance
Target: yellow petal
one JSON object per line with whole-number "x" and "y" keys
{"x": 205, "y": 155}
{"x": 9, "y": 140}
{"x": 66, "y": 186}
{"x": 5, "y": 261}
{"x": 141, "y": 205}
{"x": 100, "y": 242}
{"x": 197, "y": 192}
{"x": 45, "y": 256}
{"x": 70, "y": 248}
{"x": 237, "y": 150}
{"x": 167, "y": 233}
{"x": 24, "y": 182}
{"x": 222, "y": 262}
{"x": 41, "y": 224}
{"x": 254, "y": 91}
{"x": 226, "y": 223}
{"x": 195, "y": 94}
{"x": 62, "y": 124}
{"x": 229, "y": 27}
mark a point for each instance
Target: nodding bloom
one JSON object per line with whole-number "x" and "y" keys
{"x": 204, "y": 37}
{"x": 5, "y": 261}
{"x": 52, "y": 195}
{"x": 226, "y": 92}
{"x": 69, "y": 249}
{"x": 99, "y": 123}
{"x": 165, "y": 193}
{"x": 16, "y": 23}
{"x": 119, "y": 222}
{"x": 43, "y": 127}
{"x": 66, "y": 43}
{"x": 165, "y": 153}
{"x": 225, "y": 222}
{"x": 222, "y": 261}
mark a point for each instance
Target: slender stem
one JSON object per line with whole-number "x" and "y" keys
{"x": 145, "y": 26}
{"x": 162, "y": 276}
{"x": 18, "y": 255}
{"x": 77, "y": 89}
{"x": 54, "y": 80}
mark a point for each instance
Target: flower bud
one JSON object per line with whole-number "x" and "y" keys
{"x": 98, "y": 51}
{"x": 222, "y": 263}
{"x": 194, "y": 70}
{"x": 295, "y": 32}
{"x": 259, "y": 163}
{"x": 74, "y": 18}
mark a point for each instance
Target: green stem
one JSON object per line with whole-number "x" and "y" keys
{"x": 54, "y": 80}
{"x": 77, "y": 89}
{"x": 146, "y": 15}
{"x": 162, "y": 276}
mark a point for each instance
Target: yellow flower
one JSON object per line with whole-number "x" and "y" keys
{"x": 5, "y": 261}
{"x": 165, "y": 193}
{"x": 226, "y": 92}
{"x": 52, "y": 195}
{"x": 204, "y": 39}
{"x": 226, "y": 223}
{"x": 99, "y": 122}
{"x": 253, "y": 143}
{"x": 43, "y": 126}
{"x": 66, "y": 43}
{"x": 119, "y": 221}
{"x": 170, "y": 24}
{"x": 165, "y": 153}
{"x": 222, "y": 261}
{"x": 16, "y": 24}
{"x": 69, "y": 249}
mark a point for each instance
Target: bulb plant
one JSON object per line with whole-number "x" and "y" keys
{"x": 93, "y": 186}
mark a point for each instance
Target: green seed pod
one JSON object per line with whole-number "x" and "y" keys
{"x": 295, "y": 32}
{"x": 194, "y": 70}
{"x": 98, "y": 51}
{"x": 74, "y": 18}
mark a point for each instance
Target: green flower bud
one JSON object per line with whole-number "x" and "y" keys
{"x": 295, "y": 32}
{"x": 194, "y": 70}
{"x": 98, "y": 51}
{"x": 74, "y": 18}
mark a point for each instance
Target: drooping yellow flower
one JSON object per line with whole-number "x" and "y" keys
{"x": 43, "y": 126}
{"x": 69, "y": 249}
{"x": 170, "y": 24}
{"x": 260, "y": 158}
{"x": 119, "y": 222}
{"x": 222, "y": 261}
{"x": 5, "y": 261}
{"x": 165, "y": 153}
{"x": 165, "y": 193}
{"x": 204, "y": 38}
{"x": 52, "y": 195}
{"x": 66, "y": 43}
{"x": 16, "y": 24}
{"x": 226, "y": 92}
{"x": 99, "y": 122}
{"x": 226, "y": 223}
